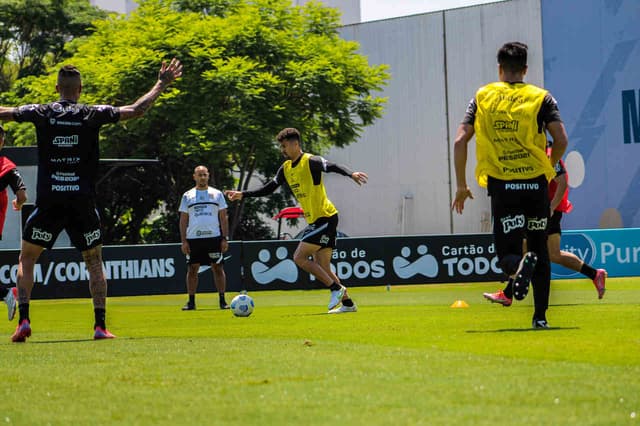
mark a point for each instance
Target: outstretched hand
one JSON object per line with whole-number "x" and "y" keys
{"x": 169, "y": 72}
{"x": 233, "y": 195}
{"x": 461, "y": 195}
{"x": 359, "y": 177}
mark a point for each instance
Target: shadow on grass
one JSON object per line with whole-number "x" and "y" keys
{"x": 44, "y": 342}
{"x": 538, "y": 330}
{"x": 207, "y": 309}
{"x": 308, "y": 315}
{"x": 568, "y": 304}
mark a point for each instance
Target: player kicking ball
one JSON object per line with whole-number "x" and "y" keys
{"x": 303, "y": 173}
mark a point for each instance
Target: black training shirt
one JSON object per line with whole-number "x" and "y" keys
{"x": 68, "y": 151}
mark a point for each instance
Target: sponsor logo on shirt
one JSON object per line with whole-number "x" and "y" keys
{"x": 55, "y": 122}
{"x": 65, "y": 160}
{"x": 65, "y": 141}
{"x": 506, "y": 125}
{"x": 65, "y": 188}
{"x": 65, "y": 177}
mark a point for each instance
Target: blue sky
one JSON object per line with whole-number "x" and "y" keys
{"x": 372, "y": 10}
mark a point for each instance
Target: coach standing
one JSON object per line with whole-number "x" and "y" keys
{"x": 204, "y": 231}
{"x": 510, "y": 119}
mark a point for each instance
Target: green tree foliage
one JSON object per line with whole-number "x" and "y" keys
{"x": 34, "y": 34}
{"x": 251, "y": 68}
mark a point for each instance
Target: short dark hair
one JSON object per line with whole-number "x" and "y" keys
{"x": 512, "y": 56}
{"x": 289, "y": 134}
{"x": 69, "y": 77}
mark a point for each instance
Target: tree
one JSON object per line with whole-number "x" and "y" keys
{"x": 35, "y": 34}
{"x": 251, "y": 68}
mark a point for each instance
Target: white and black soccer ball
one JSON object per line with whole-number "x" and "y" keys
{"x": 242, "y": 305}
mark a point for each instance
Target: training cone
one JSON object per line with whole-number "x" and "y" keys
{"x": 460, "y": 304}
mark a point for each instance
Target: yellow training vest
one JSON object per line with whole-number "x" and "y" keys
{"x": 312, "y": 198}
{"x": 509, "y": 146}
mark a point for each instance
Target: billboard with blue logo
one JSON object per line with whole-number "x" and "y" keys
{"x": 591, "y": 63}
{"x": 616, "y": 250}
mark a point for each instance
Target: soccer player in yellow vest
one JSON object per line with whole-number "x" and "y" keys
{"x": 303, "y": 174}
{"x": 510, "y": 119}
{"x": 560, "y": 204}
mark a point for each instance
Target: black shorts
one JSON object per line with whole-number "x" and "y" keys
{"x": 520, "y": 209}
{"x": 554, "y": 223}
{"x": 322, "y": 232}
{"x": 205, "y": 251}
{"x": 79, "y": 218}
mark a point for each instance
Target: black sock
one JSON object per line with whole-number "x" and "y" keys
{"x": 588, "y": 271}
{"x": 347, "y": 302}
{"x": 24, "y": 312}
{"x": 192, "y": 299}
{"x": 221, "y": 298}
{"x": 100, "y": 315}
{"x": 508, "y": 290}
{"x": 335, "y": 286}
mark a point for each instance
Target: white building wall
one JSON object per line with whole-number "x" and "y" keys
{"x": 350, "y": 9}
{"x": 120, "y": 6}
{"x": 473, "y": 38}
{"x": 399, "y": 152}
{"x": 408, "y": 153}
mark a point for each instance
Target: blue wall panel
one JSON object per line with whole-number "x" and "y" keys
{"x": 592, "y": 67}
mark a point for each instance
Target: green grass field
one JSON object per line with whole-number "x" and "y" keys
{"x": 406, "y": 358}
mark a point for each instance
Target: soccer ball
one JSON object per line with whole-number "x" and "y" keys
{"x": 242, "y": 305}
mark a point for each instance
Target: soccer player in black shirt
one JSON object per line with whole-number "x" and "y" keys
{"x": 67, "y": 135}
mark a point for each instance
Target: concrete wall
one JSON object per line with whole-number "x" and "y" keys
{"x": 437, "y": 62}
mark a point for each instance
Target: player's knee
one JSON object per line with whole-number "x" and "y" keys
{"x": 299, "y": 259}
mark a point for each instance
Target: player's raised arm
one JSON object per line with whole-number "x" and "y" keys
{"x": 167, "y": 75}
{"x": 6, "y": 113}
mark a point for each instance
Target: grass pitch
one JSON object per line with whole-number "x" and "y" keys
{"x": 406, "y": 358}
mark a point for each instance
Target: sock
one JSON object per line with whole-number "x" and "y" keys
{"x": 192, "y": 299}
{"x": 221, "y": 298}
{"x": 100, "y": 315}
{"x": 24, "y": 312}
{"x": 508, "y": 290}
{"x": 588, "y": 271}
{"x": 335, "y": 286}
{"x": 347, "y": 302}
